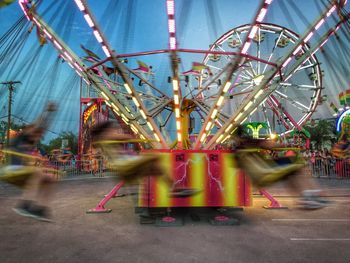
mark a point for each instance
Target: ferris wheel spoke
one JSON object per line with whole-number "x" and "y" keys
{"x": 245, "y": 76}
{"x": 227, "y": 57}
{"x": 264, "y": 111}
{"x": 310, "y": 65}
{"x": 299, "y": 86}
{"x": 213, "y": 67}
{"x": 258, "y": 51}
{"x": 273, "y": 50}
{"x": 292, "y": 101}
{"x": 249, "y": 86}
{"x": 247, "y": 73}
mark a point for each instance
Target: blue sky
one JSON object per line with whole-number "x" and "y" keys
{"x": 133, "y": 28}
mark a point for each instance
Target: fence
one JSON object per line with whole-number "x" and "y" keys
{"x": 74, "y": 168}
{"x": 329, "y": 168}
{"x": 321, "y": 168}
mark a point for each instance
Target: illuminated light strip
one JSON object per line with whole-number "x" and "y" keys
{"x": 179, "y": 137}
{"x": 36, "y": 22}
{"x": 98, "y": 36}
{"x": 261, "y": 14}
{"x": 171, "y": 25}
{"x": 78, "y": 66}
{"x": 175, "y": 85}
{"x": 297, "y": 49}
{"x": 208, "y": 126}
{"x": 244, "y": 120}
{"x": 172, "y": 43}
{"x": 80, "y": 5}
{"x": 252, "y": 112}
{"x": 215, "y": 111}
{"x": 176, "y": 99}
{"x": 320, "y": 23}
{"x": 22, "y": 2}
{"x": 105, "y": 49}
{"x": 340, "y": 119}
{"x": 268, "y": 2}
{"x": 78, "y": 73}
{"x": 238, "y": 116}
{"x": 221, "y": 99}
{"x": 57, "y": 44}
{"x": 143, "y": 114}
{"x": 70, "y": 65}
{"x": 104, "y": 95}
{"x": 136, "y": 102}
{"x": 87, "y": 82}
{"x": 286, "y": 62}
{"x": 227, "y": 86}
{"x": 178, "y": 125}
{"x": 89, "y": 20}
{"x": 258, "y": 94}
{"x": 125, "y": 120}
{"x": 246, "y": 47}
{"x": 253, "y": 32}
{"x": 229, "y": 128}
{"x": 150, "y": 126}
{"x": 227, "y": 137}
{"x": 308, "y": 37}
{"x": 115, "y": 107}
{"x": 203, "y": 137}
{"x": 68, "y": 56}
{"x": 177, "y": 113}
{"x": 126, "y": 85}
{"x": 170, "y": 7}
{"x": 157, "y": 138}
{"x": 219, "y": 139}
{"x": 331, "y": 10}
{"x": 287, "y": 78}
{"x": 248, "y": 105}
{"x": 108, "y": 103}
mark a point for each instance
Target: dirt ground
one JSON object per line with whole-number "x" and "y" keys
{"x": 284, "y": 235}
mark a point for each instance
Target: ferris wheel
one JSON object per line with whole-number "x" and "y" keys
{"x": 255, "y": 72}
{"x": 296, "y": 95}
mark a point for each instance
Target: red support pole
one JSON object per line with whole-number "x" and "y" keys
{"x": 100, "y": 208}
{"x": 274, "y": 203}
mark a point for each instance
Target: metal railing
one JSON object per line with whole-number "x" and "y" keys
{"x": 329, "y": 168}
{"x": 75, "y": 168}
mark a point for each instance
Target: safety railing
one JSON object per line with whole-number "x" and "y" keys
{"x": 329, "y": 168}
{"x": 75, "y": 168}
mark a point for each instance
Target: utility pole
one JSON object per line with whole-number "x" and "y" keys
{"x": 10, "y": 86}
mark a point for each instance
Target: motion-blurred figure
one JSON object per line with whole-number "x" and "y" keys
{"x": 128, "y": 166}
{"x": 23, "y": 169}
{"x": 264, "y": 170}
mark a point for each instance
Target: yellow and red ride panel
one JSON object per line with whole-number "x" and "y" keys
{"x": 213, "y": 172}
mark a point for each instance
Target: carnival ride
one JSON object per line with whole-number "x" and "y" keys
{"x": 257, "y": 72}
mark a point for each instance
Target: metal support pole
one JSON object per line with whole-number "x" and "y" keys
{"x": 10, "y": 85}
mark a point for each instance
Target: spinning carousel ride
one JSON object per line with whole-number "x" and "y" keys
{"x": 257, "y": 72}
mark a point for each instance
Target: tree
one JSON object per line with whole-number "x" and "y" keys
{"x": 56, "y": 143}
{"x": 322, "y": 132}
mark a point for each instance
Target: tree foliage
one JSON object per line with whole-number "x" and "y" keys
{"x": 56, "y": 143}
{"x": 322, "y": 132}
